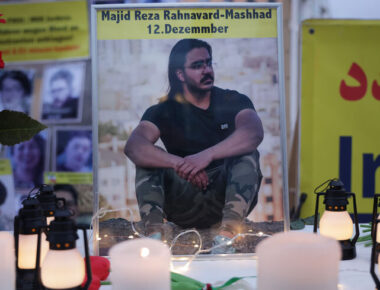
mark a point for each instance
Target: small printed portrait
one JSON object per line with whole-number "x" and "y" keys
{"x": 7, "y": 210}
{"x": 16, "y": 87}
{"x": 62, "y": 94}
{"x": 28, "y": 161}
{"x": 73, "y": 150}
{"x": 70, "y": 194}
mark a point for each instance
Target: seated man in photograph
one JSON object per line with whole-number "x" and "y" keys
{"x": 63, "y": 105}
{"x": 210, "y": 174}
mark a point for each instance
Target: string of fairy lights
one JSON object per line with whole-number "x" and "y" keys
{"x": 102, "y": 212}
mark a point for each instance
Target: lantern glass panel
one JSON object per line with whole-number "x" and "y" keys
{"x": 27, "y": 250}
{"x": 337, "y": 225}
{"x": 63, "y": 269}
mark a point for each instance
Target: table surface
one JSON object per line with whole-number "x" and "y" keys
{"x": 353, "y": 274}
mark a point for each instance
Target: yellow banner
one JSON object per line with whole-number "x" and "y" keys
{"x": 44, "y": 31}
{"x": 165, "y": 23}
{"x": 5, "y": 167}
{"x": 67, "y": 178}
{"x": 340, "y": 108}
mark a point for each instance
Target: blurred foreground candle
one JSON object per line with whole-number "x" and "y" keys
{"x": 140, "y": 264}
{"x": 7, "y": 266}
{"x": 298, "y": 261}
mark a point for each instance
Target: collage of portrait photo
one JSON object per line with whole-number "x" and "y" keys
{"x": 53, "y": 94}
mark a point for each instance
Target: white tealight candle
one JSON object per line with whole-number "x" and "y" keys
{"x": 298, "y": 261}
{"x": 140, "y": 264}
{"x": 7, "y": 265}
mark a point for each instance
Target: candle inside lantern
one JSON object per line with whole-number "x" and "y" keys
{"x": 140, "y": 264}
{"x": 292, "y": 261}
{"x": 337, "y": 225}
{"x": 7, "y": 265}
{"x": 27, "y": 250}
{"x": 63, "y": 269}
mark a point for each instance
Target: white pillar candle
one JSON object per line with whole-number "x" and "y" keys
{"x": 298, "y": 261}
{"x": 140, "y": 264}
{"x": 7, "y": 265}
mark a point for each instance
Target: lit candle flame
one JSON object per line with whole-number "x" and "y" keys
{"x": 144, "y": 252}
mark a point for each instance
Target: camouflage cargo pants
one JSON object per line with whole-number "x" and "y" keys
{"x": 229, "y": 198}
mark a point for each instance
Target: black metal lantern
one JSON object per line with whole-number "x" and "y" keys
{"x": 27, "y": 225}
{"x": 63, "y": 266}
{"x": 48, "y": 201}
{"x": 335, "y": 221}
{"x": 374, "y": 256}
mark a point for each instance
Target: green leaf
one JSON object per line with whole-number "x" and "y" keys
{"x": 17, "y": 127}
{"x": 232, "y": 281}
{"x": 365, "y": 238}
{"x": 310, "y": 220}
{"x": 184, "y": 286}
{"x": 179, "y": 282}
{"x": 105, "y": 283}
{"x": 297, "y": 225}
{"x": 365, "y": 225}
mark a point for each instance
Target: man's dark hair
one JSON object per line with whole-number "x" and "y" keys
{"x": 177, "y": 61}
{"x": 68, "y": 188}
{"x": 63, "y": 74}
{"x": 19, "y": 76}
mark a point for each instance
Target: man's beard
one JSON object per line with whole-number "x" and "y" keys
{"x": 199, "y": 92}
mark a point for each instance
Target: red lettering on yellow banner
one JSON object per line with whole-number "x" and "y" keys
{"x": 376, "y": 90}
{"x": 350, "y": 93}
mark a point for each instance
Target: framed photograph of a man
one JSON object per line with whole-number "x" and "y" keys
{"x": 72, "y": 149}
{"x": 62, "y": 93}
{"x": 191, "y": 115}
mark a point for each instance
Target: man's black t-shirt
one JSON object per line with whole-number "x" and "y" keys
{"x": 186, "y": 129}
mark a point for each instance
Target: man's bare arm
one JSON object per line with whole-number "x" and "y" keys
{"x": 141, "y": 150}
{"x": 247, "y": 136}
